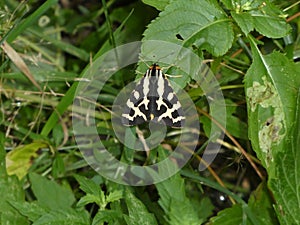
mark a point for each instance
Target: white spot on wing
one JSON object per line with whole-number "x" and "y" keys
{"x": 136, "y": 94}
{"x": 170, "y": 96}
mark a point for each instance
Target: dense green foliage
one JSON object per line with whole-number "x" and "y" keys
{"x": 252, "y": 47}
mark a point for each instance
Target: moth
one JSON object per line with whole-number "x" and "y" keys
{"x": 153, "y": 99}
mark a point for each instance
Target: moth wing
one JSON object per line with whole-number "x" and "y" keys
{"x": 136, "y": 109}
{"x": 168, "y": 108}
{"x": 176, "y": 118}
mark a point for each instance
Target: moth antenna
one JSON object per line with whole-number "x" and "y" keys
{"x": 139, "y": 72}
{"x": 169, "y": 75}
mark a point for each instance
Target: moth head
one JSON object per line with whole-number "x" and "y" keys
{"x": 155, "y": 67}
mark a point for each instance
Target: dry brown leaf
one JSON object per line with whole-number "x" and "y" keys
{"x": 19, "y": 62}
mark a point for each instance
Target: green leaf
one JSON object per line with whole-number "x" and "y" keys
{"x": 199, "y": 23}
{"x": 109, "y": 216}
{"x": 286, "y": 184}
{"x": 64, "y": 217}
{"x": 244, "y": 20}
{"x": 94, "y": 194}
{"x": 88, "y": 186}
{"x": 158, "y": 4}
{"x": 49, "y": 194}
{"x": 262, "y": 16}
{"x": 261, "y": 203}
{"x": 114, "y": 196}
{"x": 93, "y": 191}
{"x": 58, "y": 166}
{"x": 19, "y": 160}
{"x": 89, "y": 198}
{"x": 178, "y": 208}
{"x": 32, "y": 210}
{"x": 3, "y": 173}
{"x": 58, "y": 134}
{"x": 11, "y": 191}
{"x": 268, "y": 20}
{"x": 229, "y": 216}
{"x": 271, "y": 87}
{"x": 204, "y": 207}
{"x": 138, "y": 213}
{"x": 54, "y": 202}
{"x": 228, "y": 3}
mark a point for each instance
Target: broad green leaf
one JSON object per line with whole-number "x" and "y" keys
{"x": 114, "y": 196}
{"x": 229, "y": 3}
{"x": 64, "y": 217}
{"x": 88, "y": 185}
{"x": 3, "y": 173}
{"x": 58, "y": 166}
{"x": 260, "y": 15}
{"x": 204, "y": 207}
{"x": 261, "y": 203}
{"x": 11, "y": 191}
{"x": 58, "y": 134}
{"x": 49, "y": 194}
{"x": 158, "y": 4}
{"x": 109, "y": 216}
{"x": 89, "y": 198}
{"x": 244, "y": 20}
{"x": 138, "y": 213}
{"x": 230, "y": 216}
{"x": 269, "y": 20}
{"x": 173, "y": 200}
{"x": 285, "y": 185}
{"x": 183, "y": 212}
{"x": 199, "y": 23}
{"x": 32, "y": 211}
{"x": 93, "y": 192}
{"x": 271, "y": 87}
{"x": 19, "y": 160}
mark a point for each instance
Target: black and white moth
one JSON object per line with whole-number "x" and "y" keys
{"x": 153, "y": 99}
